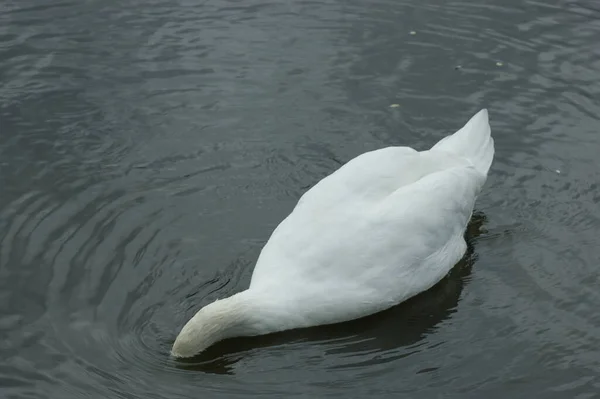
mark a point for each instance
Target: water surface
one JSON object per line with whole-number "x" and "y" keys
{"x": 149, "y": 148}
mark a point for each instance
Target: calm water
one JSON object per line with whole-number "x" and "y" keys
{"x": 149, "y": 148}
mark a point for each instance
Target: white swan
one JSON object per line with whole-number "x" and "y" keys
{"x": 386, "y": 226}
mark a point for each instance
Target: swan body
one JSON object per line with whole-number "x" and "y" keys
{"x": 384, "y": 227}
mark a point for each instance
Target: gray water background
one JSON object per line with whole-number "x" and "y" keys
{"x": 149, "y": 148}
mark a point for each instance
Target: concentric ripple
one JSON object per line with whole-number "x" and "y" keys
{"x": 149, "y": 148}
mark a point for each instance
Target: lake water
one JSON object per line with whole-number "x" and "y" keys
{"x": 149, "y": 148}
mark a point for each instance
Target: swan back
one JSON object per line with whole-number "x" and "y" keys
{"x": 384, "y": 227}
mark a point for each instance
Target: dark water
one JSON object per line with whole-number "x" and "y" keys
{"x": 148, "y": 149}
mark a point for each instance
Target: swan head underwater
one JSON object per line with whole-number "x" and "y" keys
{"x": 240, "y": 315}
{"x": 219, "y": 320}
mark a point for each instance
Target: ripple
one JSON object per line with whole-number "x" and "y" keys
{"x": 149, "y": 149}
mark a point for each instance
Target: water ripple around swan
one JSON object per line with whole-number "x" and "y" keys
{"x": 148, "y": 149}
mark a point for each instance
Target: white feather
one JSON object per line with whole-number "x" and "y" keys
{"x": 384, "y": 227}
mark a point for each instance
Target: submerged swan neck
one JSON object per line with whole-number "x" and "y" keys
{"x": 224, "y": 318}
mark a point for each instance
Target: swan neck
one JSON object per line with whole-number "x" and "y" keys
{"x": 222, "y": 319}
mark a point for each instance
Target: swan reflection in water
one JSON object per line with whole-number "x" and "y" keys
{"x": 401, "y": 326}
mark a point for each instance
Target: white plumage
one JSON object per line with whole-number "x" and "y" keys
{"x": 384, "y": 227}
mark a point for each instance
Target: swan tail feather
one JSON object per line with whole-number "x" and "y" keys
{"x": 473, "y": 142}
